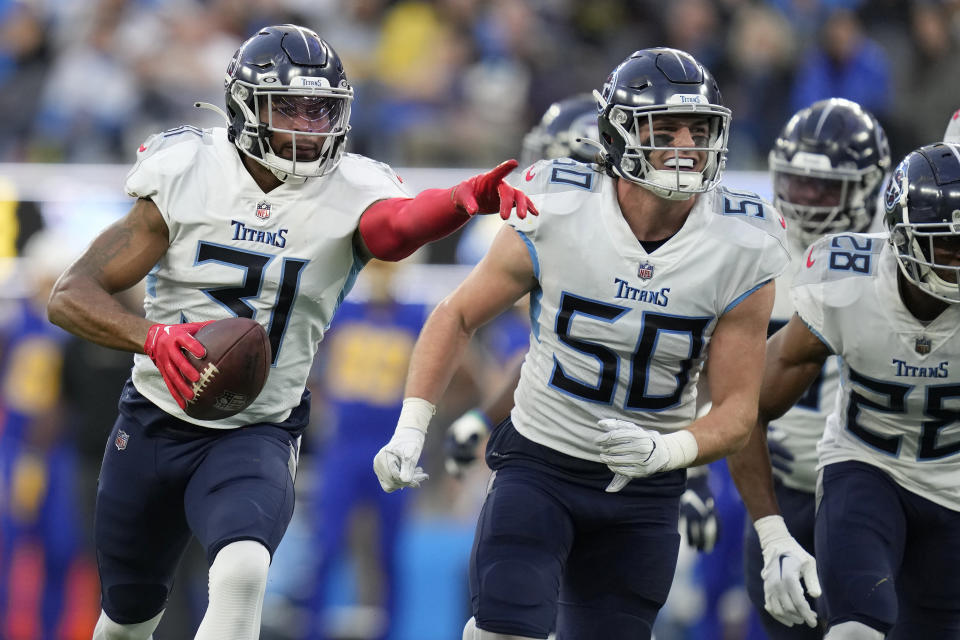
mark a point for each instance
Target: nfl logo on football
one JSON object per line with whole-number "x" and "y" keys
{"x": 645, "y": 271}
{"x": 263, "y": 210}
{"x": 922, "y": 346}
{"x": 121, "y": 440}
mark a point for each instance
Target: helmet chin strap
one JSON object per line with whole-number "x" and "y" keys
{"x": 282, "y": 176}
{"x": 657, "y": 177}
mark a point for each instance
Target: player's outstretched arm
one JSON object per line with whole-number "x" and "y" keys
{"x": 794, "y": 358}
{"x": 495, "y": 284}
{"x": 120, "y": 257}
{"x": 392, "y": 229}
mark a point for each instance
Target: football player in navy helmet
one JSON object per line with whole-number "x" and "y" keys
{"x": 564, "y": 131}
{"x": 922, "y": 215}
{"x": 887, "y": 505}
{"x": 578, "y": 532}
{"x": 266, "y": 218}
{"x": 644, "y": 100}
{"x": 828, "y": 166}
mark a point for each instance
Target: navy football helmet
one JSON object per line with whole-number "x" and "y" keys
{"x": 657, "y": 82}
{"x": 562, "y": 131}
{"x": 828, "y": 166}
{"x": 286, "y": 79}
{"x": 922, "y": 214}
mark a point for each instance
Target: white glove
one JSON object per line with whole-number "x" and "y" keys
{"x": 463, "y": 437}
{"x": 785, "y": 563}
{"x": 396, "y": 463}
{"x": 631, "y": 451}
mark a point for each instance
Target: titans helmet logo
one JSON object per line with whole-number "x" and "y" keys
{"x": 896, "y": 188}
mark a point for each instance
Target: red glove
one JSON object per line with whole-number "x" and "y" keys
{"x": 488, "y": 193}
{"x": 165, "y": 344}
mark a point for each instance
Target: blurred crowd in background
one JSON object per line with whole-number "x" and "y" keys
{"x": 439, "y": 83}
{"x": 455, "y": 82}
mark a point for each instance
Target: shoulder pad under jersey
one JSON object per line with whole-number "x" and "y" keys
{"x": 748, "y": 207}
{"x": 165, "y": 154}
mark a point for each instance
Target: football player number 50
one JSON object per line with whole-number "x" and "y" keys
{"x": 652, "y": 327}
{"x": 253, "y": 266}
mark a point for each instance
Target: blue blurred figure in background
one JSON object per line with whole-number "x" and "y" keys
{"x": 364, "y": 366}
{"x": 40, "y": 539}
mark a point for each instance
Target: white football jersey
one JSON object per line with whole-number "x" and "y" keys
{"x": 617, "y": 332}
{"x": 897, "y": 408}
{"x": 284, "y": 258}
{"x": 799, "y": 429}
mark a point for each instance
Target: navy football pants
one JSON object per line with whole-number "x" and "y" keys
{"x": 160, "y": 485}
{"x": 887, "y": 557}
{"x": 548, "y": 550}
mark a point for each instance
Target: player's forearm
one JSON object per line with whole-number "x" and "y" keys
{"x": 80, "y": 306}
{"x": 393, "y": 229}
{"x": 437, "y": 354}
{"x": 751, "y": 472}
{"x": 724, "y": 429}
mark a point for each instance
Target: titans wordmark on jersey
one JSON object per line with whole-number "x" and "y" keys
{"x": 618, "y": 332}
{"x": 285, "y": 258}
{"x": 899, "y": 402}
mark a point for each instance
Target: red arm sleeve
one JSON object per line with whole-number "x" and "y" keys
{"x": 394, "y": 228}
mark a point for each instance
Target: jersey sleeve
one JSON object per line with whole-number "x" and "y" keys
{"x": 556, "y": 187}
{"x": 162, "y": 162}
{"x": 831, "y": 276}
{"x": 762, "y": 245}
{"x": 369, "y": 180}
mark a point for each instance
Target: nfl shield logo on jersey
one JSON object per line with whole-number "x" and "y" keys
{"x": 645, "y": 271}
{"x": 922, "y": 346}
{"x": 263, "y": 210}
{"x": 121, "y": 440}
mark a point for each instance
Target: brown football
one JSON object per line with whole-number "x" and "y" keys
{"x": 233, "y": 372}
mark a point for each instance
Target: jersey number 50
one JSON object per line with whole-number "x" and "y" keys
{"x": 652, "y": 326}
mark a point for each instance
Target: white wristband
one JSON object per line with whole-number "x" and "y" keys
{"x": 770, "y": 528}
{"x": 415, "y": 414}
{"x": 682, "y": 447}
